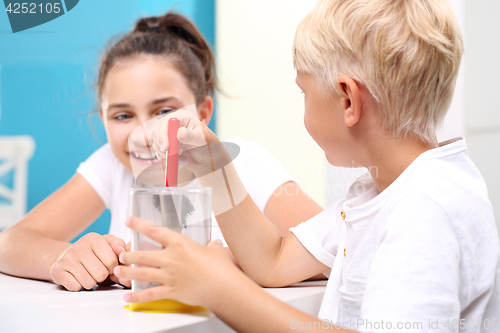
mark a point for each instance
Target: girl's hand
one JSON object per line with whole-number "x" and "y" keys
{"x": 185, "y": 270}
{"x": 117, "y": 245}
{"x": 88, "y": 261}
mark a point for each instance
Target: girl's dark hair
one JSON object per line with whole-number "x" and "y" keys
{"x": 174, "y": 38}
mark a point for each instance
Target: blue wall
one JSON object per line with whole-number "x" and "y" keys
{"x": 46, "y": 83}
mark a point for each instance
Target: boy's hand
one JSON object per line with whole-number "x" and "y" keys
{"x": 187, "y": 271}
{"x": 88, "y": 262}
{"x": 192, "y": 135}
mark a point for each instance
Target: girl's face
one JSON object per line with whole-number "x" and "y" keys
{"x": 136, "y": 91}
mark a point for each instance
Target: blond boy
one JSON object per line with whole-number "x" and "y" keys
{"x": 415, "y": 240}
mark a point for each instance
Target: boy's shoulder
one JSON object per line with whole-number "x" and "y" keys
{"x": 447, "y": 176}
{"x": 442, "y": 188}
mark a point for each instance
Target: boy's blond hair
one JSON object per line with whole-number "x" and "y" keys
{"x": 406, "y": 52}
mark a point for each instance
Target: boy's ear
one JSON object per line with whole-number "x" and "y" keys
{"x": 350, "y": 101}
{"x": 100, "y": 115}
{"x": 206, "y": 110}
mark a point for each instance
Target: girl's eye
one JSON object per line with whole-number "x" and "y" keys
{"x": 165, "y": 111}
{"x": 122, "y": 117}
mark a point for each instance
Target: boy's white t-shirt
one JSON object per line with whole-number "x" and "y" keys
{"x": 425, "y": 250}
{"x": 261, "y": 173}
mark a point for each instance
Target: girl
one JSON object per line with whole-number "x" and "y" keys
{"x": 162, "y": 65}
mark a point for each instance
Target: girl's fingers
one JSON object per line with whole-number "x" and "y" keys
{"x": 125, "y": 282}
{"x": 97, "y": 270}
{"x": 117, "y": 244}
{"x": 83, "y": 276}
{"x": 148, "y": 295}
{"x": 101, "y": 261}
{"x": 145, "y": 274}
{"x": 152, "y": 230}
{"x": 93, "y": 272}
{"x": 67, "y": 280}
{"x": 64, "y": 271}
{"x": 114, "y": 278}
{"x": 107, "y": 249}
{"x": 117, "y": 280}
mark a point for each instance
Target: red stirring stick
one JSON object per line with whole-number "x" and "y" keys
{"x": 173, "y": 154}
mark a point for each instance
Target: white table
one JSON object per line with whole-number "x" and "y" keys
{"x": 39, "y": 306}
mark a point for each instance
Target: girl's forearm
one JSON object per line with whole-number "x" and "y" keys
{"x": 26, "y": 253}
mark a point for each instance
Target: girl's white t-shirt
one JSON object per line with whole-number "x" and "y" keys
{"x": 422, "y": 254}
{"x": 261, "y": 173}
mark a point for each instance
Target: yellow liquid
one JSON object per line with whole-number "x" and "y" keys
{"x": 164, "y": 305}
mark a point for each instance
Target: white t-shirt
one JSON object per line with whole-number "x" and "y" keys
{"x": 261, "y": 173}
{"x": 426, "y": 249}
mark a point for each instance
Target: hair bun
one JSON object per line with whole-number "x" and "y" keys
{"x": 150, "y": 24}
{"x": 156, "y": 29}
{"x": 160, "y": 31}
{"x": 180, "y": 27}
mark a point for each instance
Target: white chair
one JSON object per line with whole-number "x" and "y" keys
{"x": 15, "y": 152}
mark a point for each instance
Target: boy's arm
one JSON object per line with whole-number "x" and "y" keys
{"x": 198, "y": 275}
{"x": 245, "y": 307}
{"x": 263, "y": 254}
